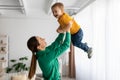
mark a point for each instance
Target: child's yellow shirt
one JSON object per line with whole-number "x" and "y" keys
{"x": 65, "y": 19}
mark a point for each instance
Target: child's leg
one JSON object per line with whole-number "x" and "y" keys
{"x": 77, "y": 40}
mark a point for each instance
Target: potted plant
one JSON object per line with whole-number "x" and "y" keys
{"x": 19, "y": 66}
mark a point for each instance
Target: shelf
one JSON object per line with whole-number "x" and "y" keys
{"x": 3, "y": 53}
{"x": 3, "y": 44}
{"x": 3, "y": 35}
{"x": 2, "y": 60}
{"x": 1, "y": 70}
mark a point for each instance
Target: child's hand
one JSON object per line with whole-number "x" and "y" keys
{"x": 59, "y": 30}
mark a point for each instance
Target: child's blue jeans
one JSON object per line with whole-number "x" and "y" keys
{"x": 77, "y": 40}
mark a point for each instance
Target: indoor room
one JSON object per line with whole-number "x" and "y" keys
{"x": 22, "y": 19}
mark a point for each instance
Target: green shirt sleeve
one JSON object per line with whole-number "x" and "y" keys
{"x": 58, "y": 50}
{"x": 57, "y": 42}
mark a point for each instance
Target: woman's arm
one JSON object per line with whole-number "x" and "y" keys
{"x": 63, "y": 47}
{"x": 57, "y": 41}
{"x": 60, "y": 49}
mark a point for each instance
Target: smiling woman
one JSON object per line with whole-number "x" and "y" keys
{"x": 47, "y": 57}
{"x": 42, "y": 44}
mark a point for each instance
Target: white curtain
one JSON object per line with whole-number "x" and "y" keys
{"x": 104, "y": 23}
{"x": 113, "y": 40}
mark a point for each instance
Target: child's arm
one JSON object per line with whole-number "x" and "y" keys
{"x": 68, "y": 26}
{"x": 62, "y": 30}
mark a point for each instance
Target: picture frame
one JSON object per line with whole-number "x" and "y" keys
{"x": 3, "y": 50}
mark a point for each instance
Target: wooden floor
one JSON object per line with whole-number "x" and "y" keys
{"x": 39, "y": 77}
{"x": 65, "y": 78}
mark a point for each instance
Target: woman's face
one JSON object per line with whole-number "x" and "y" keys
{"x": 57, "y": 12}
{"x": 42, "y": 43}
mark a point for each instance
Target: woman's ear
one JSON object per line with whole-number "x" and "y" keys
{"x": 39, "y": 47}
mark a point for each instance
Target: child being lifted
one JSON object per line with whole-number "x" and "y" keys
{"x": 76, "y": 32}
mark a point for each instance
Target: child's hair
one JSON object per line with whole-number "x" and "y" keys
{"x": 58, "y": 4}
{"x": 32, "y": 45}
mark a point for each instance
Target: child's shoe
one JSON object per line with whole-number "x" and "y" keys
{"x": 89, "y": 53}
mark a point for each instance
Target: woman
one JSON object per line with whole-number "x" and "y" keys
{"x": 48, "y": 56}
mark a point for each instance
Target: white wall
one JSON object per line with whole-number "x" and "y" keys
{"x": 19, "y": 30}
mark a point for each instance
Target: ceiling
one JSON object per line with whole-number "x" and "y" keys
{"x": 75, "y": 6}
{"x": 12, "y": 7}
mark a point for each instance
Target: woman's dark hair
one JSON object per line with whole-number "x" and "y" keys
{"x": 32, "y": 44}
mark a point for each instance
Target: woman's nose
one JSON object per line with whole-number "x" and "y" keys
{"x": 43, "y": 38}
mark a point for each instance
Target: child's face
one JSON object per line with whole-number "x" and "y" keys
{"x": 57, "y": 12}
{"x": 42, "y": 43}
